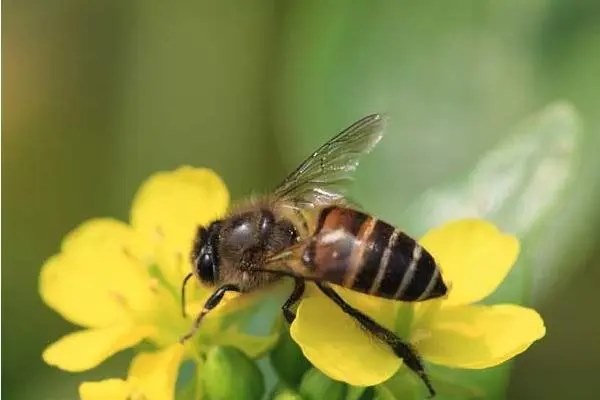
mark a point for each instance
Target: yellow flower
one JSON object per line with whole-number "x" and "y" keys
{"x": 151, "y": 377}
{"x": 121, "y": 282}
{"x": 475, "y": 258}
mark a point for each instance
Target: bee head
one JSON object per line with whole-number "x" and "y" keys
{"x": 205, "y": 259}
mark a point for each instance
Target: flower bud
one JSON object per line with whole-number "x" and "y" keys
{"x": 229, "y": 374}
{"x": 288, "y": 361}
{"x": 282, "y": 392}
{"x": 316, "y": 386}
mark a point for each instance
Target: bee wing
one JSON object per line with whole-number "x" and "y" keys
{"x": 323, "y": 177}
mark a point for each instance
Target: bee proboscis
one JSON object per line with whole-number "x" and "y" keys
{"x": 307, "y": 230}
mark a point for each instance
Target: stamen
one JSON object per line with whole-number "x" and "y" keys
{"x": 130, "y": 255}
{"x": 160, "y": 235}
{"x": 121, "y": 300}
{"x": 153, "y": 284}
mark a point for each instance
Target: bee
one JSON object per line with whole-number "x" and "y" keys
{"x": 308, "y": 230}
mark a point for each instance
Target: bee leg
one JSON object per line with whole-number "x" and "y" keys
{"x": 293, "y": 299}
{"x": 211, "y": 303}
{"x": 403, "y": 350}
{"x": 185, "y": 280}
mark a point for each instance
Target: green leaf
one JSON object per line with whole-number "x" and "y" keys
{"x": 516, "y": 183}
{"x": 519, "y": 185}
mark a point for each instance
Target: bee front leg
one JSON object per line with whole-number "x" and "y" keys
{"x": 403, "y": 350}
{"x": 293, "y": 299}
{"x": 211, "y": 303}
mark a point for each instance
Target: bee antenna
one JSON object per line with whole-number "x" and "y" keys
{"x": 187, "y": 278}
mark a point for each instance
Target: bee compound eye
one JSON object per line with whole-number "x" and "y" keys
{"x": 206, "y": 268}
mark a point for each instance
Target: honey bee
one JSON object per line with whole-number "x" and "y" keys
{"x": 307, "y": 230}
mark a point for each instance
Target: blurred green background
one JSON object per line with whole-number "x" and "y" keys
{"x": 98, "y": 95}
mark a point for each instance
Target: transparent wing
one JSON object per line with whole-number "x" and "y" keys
{"x": 324, "y": 176}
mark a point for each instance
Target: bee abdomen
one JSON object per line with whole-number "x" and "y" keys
{"x": 362, "y": 253}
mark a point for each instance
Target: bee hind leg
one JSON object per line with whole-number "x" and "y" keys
{"x": 403, "y": 350}
{"x": 293, "y": 299}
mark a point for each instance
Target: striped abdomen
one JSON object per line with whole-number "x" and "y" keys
{"x": 357, "y": 251}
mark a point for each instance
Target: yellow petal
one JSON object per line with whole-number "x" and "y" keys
{"x": 98, "y": 279}
{"x": 86, "y": 349}
{"x": 476, "y": 336}
{"x": 335, "y": 344}
{"x": 108, "y": 389}
{"x": 154, "y": 374}
{"x": 170, "y": 206}
{"x": 108, "y": 235}
{"x": 474, "y": 256}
